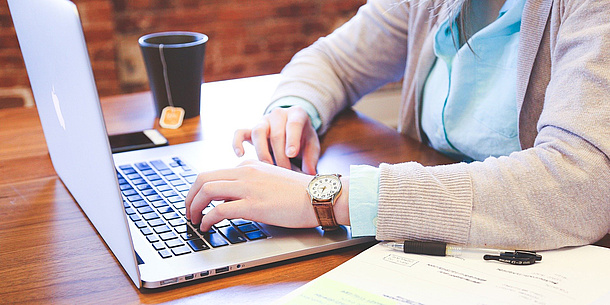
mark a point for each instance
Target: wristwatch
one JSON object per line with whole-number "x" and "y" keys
{"x": 323, "y": 191}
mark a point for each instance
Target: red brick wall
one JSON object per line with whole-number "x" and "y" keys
{"x": 247, "y": 38}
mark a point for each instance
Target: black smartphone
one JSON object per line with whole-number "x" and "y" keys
{"x": 137, "y": 140}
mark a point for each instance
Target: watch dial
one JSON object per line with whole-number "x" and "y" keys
{"x": 324, "y": 187}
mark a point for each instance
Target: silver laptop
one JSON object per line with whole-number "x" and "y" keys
{"x": 135, "y": 199}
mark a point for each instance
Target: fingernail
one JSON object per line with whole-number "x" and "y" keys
{"x": 291, "y": 151}
{"x": 238, "y": 152}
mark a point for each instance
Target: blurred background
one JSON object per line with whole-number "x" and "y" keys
{"x": 247, "y": 38}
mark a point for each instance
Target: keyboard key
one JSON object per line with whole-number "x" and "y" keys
{"x": 135, "y": 217}
{"x": 129, "y": 171}
{"x": 138, "y": 181}
{"x": 190, "y": 179}
{"x": 134, "y": 198}
{"x": 143, "y": 186}
{"x": 125, "y": 186}
{"x": 129, "y": 211}
{"x": 159, "y": 204}
{"x": 124, "y": 167}
{"x": 152, "y": 238}
{"x": 183, "y": 188}
{"x": 177, "y": 222}
{"x": 181, "y": 250}
{"x": 139, "y": 203}
{"x": 153, "y": 177}
{"x": 134, "y": 176}
{"x": 256, "y": 235}
{"x": 166, "y": 172}
{"x": 146, "y": 231}
{"x": 188, "y": 173}
{"x": 232, "y": 235}
{"x": 168, "y": 236}
{"x": 177, "y": 182}
{"x": 173, "y": 243}
{"x": 164, "y": 187}
{"x": 145, "y": 209}
{"x": 140, "y": 224}
{"x": 158, "y": 245}
{"x": 149, "y": 192}
{"x": 129, "y": 192}
{"x": 169, "y": 193}
{"x": 223, "y": 223}
{"x": 161, "y": 229}
{"x": 170, "y": 216}
{"x": 182, "y": 228}
{"x": 164, "y": 209}
{"x": 150, "y": 216}
{"x": 165, "y": 253}
{"x": 188, "y": 235}
{"x": 154, "y": 197}
{"x": 158, "y": 164}
{"x": 239, "y": 221}
{"x": 210, "y": 231}
{"x": 148, "y": 172}
{"x": 156, "y": 222}
{"x": 215, "y": 240}
{"x": 158, "y": 182}
{"x": 175, "y": 199}
{"x": 247, "y": 228}
{"x": 197, "y": 245}
{"x": 142, "y": 166}
{"x": 179, "y": 204}
{"x": 172, "y": 177}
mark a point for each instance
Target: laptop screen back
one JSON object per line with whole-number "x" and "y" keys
{"x": 53, "y": 46}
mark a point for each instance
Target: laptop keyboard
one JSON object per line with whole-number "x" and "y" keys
{"x": 153, "y": 196}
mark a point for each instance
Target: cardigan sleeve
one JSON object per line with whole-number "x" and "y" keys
{"x": 552, "y": 195}
{"x": 357, "y": 58}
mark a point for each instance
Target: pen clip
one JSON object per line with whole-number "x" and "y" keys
{"x": 525, "y": 253}
{"x": 518, "y": 257}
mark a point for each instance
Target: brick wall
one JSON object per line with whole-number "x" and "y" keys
{"x": 247, "y": 38}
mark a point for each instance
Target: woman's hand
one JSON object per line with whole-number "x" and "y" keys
{"x": 259, "y": 192}
{"x": 289, "y": 133}
{"x": 254, "y": 191}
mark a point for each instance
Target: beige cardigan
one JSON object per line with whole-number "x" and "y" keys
{"x": 553, "y": 193}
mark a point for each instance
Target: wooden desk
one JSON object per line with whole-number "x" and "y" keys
{"x": 50, "y": 253}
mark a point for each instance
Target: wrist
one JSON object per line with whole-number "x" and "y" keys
{"x": 341, "y": 207}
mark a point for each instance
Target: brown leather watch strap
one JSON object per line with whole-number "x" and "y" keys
{"x": 325, "y": 215}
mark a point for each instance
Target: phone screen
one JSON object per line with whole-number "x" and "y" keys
{"x": 136, "y": 140}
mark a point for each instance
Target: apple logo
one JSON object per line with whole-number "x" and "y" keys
{"x": 60, "y": 117}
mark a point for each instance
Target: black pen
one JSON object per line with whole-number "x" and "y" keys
{"x": 517, "y": 257}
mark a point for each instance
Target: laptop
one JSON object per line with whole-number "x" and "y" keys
{"x": 135, "y": 200}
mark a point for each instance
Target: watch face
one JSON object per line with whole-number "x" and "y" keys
{"x": 324, "y": 187}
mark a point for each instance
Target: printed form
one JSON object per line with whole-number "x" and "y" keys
{"x": 381, "y": 275}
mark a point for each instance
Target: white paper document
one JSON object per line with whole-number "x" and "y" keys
{"x": 381, "y": 275}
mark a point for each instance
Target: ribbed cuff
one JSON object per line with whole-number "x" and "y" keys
{"x": 424, "y": 203}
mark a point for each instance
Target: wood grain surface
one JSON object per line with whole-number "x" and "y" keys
{"x": 50, "y": 252}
